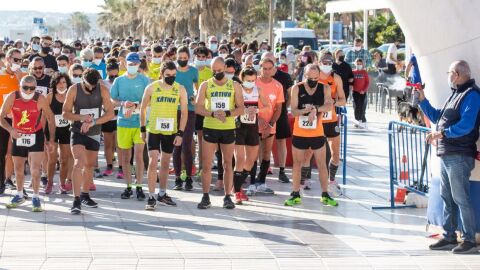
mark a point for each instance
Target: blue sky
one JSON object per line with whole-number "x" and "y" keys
{"x": 65, "y": 6}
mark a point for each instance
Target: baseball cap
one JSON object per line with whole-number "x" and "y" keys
{"x": 133, "y": 57}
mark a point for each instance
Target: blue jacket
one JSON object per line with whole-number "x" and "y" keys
{"x": 458, "y": 118}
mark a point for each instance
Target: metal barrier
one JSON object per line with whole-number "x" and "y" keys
{"x": 409, "y": 160}
{"x": 343, "y": 141}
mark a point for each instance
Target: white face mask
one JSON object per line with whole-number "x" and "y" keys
{"x": 56, "y": 50}
{"x": 156, "y": 60}
{"x": 223, "y": 55}
{"x": 359, "y": 67}
{"x": 451, "y": 84}
{"x": 27, "y": 96}
{"x": 77, "y": 80}
{"x": 97, "y": 61}
{"x": 15, "y": 67}
{"x": 61, "y": 92}
{"x": 357, "y": 48}
{"x": 229, "y": 75}
{"x": 213, "y": 47}
{"x": 248, "y": 85}
{"x": 62, "y": 69}
{"x": 326, "y": 69}
{"x": 256, "y": 67}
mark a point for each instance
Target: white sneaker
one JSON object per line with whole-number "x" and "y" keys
{"x": 334, "y": 189}
{"x": 264, "y": 189}
{"x": 251, "y": 190}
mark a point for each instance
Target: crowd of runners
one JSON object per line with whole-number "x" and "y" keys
{"x": 157, "y": 106}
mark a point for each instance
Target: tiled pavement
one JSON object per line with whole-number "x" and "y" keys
{"x": 262, "y": 234}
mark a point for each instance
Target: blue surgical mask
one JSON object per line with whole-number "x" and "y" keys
{"x": 62, "y": 69}
{"x": 24, "y": 69}
{"x": 76, "y": 80}
{"x": 86, "y": 64}
{"x": 213, "y": 47}
{"x": 208, "y": 62}
{"x": 36, "y": 47}
{"x": 132, "y": 70}
{"x": 199, "y": 63}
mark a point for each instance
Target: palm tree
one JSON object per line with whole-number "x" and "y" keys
{"x": 80, "y": 24}
{"x": 212, "y": 15}
{"x": 237, "y": 9}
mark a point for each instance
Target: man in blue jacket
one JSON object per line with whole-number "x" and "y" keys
{"x": 456, "y": 134}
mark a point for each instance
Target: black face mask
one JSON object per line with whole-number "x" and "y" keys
{"x": 312, "y": 83}
{"x": 112, "y": 78}
{"x": 398, "y": 46}
{"x": 182, "y": 63}
{"x": 169, "y": 80}
{"x": 219, "y": 76}
{"x": 341, "y": 58}
{"x": 46, "y": 50}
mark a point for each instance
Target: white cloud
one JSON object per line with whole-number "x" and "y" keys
{"x": 64, "y": 6}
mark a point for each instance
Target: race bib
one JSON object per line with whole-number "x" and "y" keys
{"x": 60, "y": 122}
{"x": 26, "y": 140}
{"x": 220, "y": 104}
{"x": 328, "y": 115}
{"x": 164, "y": 124}
{"x": 93, "y": 112}
{"x": 42, "y": 90}
{"x": 305, "y": 124}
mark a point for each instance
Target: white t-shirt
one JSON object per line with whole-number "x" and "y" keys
{"x": 392, "y": 51}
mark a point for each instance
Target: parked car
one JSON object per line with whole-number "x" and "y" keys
{"x": 384, "y": 48}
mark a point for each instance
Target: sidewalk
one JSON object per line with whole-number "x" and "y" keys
{"x": 261, "y": 234}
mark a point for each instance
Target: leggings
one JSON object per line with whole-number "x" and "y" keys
{"x": 186, "y": 147}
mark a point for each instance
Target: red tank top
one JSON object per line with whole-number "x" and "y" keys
{"x": 26, "y": 115}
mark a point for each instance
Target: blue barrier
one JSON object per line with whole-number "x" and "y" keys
{"x": 409, "y": 159}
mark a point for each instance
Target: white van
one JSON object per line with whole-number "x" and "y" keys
{"x": 298, "y": 37}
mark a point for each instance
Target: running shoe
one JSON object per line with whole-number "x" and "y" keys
{"x": 88, "y": 202}
{"x": 228, "y": 203}
{"x": 140, "y": 194}
{"x": 107, "y": 172}
{"x": 294, "y": 200}
{"x": 243, "y": 196}
{"x": 49, "y": 188}
{"x": 282, "y": 177}
{"x": 15, "y": 202}
{"x": 251, "y": 190}
{"x": 92, "y": 187}
{"x": 188, "y": 184}
{"x": 204, "y": 203}
{"x": 178, "y": 184}
{"x": 238, "y": 198}
{"x": 68, "y": 185}
{"x": 62, "y": 189}
{"x": 9, "y": 184}
{"x": 334, "y": 188}
{"x": 327, "y": 200}
{"x": 127, "y": 193}
{"x": 76, "y": 208}
{"x": 264, "y": 189}
{"x": 36, "y": 205}
{"x": 97, "y": 173}
{"x": 44, "y": 180}
{"x": 151, "y": 204}
{"x": 166, "y": 200}
{"x": 120, "y": 175}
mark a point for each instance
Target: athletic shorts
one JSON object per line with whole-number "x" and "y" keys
{"x": 62, "y": 135}
{"x": 283, "y": 127}
{"x": 90, "y": 143}
{"x": 199, "y": 122}
{"x": 109, "y": 126}
{"x": 160, "y": 142}
{"x": 305, "y": 143}
{"x": 221, "y": 136}
{"x": 127, "y": 137}
{"x": 28, "y": 143}
{"x": 247, "y": 135}
{"x": 331, "y": 130}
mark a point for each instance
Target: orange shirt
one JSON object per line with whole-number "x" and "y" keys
{"x": 273, "y": 91}
{"x": 330, "y": 117}
{"x": 8, "y": 84}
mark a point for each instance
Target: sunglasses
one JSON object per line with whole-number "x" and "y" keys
{"x": 17, "y": 60}
{"x": 77, "y": 75}
{"x": 28, "y": 88}
{"x": 38, "y": 68}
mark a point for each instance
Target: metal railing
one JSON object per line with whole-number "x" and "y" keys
{"x": 409, "y": 160}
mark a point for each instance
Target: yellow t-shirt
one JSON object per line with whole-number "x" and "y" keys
{"x": 154, "y": 71}
{"x": 204, "y": 74}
